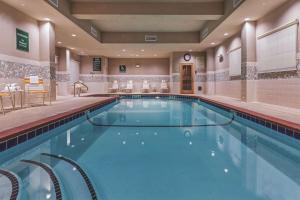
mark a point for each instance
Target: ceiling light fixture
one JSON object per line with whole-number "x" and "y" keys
{"x": 247, "y": 19}
{"x": 47, "y": 19}
{"x": 213, "y": 43}
{"x": 74, "y": 35}
{"x": 226, "y": 34}
{"x": 59, "y": 42}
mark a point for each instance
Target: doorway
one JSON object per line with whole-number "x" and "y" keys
{"x": 187, "y": 79}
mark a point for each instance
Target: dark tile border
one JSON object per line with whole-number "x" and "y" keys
{"x": 281, "y": 126}
{"x": 80, "y": 170}
{"x": 19, "y": 135}
{"x": 14, "y": 184}
{"x": 51, "y": 174}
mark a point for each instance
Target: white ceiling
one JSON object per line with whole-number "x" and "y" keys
{"x": 146, "y": 1}
{"x": 85, "y": 44}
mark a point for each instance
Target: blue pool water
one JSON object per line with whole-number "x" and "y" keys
{"x": 126, "y": 159}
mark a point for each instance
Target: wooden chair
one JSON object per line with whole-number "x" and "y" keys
{"x": 35, "y": 86}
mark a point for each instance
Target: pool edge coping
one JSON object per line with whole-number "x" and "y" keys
{"x": 13, "y": 134}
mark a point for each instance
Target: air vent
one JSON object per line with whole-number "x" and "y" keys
{"x": 94, "y": 32}
{"x": 236, "y": 3}
{"x": 151, "y": 38}
{"x": 204, "y": 33}
{"x": 54, "y": 2}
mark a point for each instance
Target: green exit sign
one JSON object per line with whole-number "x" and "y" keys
{"x": 22, "y": 39}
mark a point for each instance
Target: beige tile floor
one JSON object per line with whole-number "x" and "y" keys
{"x": 31, "y": 114}
{"x": 285, "y": 113}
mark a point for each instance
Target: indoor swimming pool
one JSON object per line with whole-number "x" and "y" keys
{"x": 159, "y": 148}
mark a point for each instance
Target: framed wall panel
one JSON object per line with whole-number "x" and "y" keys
{"x": 277, "y": 50}
{"x": 235, "y": 62}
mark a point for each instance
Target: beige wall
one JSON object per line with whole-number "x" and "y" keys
{"x": 224, "y": 87}
{"x": 284, "y": 92}
{"x": 223, "y": 49}
{"x": 151, "y": 66}
{"x": 281, "y": 16}
{"x": 178, "y": 59}
{"x": 86, "y": 65}
{"x": 10, "y": 19}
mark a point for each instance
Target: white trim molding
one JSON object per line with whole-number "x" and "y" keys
{"x": 278, "y": 29}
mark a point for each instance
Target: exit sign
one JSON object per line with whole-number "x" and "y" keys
{"x": 22, "y": 40}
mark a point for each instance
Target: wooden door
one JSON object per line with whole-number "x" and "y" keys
{"x": 187, "y": 78}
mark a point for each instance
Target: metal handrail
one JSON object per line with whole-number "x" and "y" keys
{"x": 81, "y": 84}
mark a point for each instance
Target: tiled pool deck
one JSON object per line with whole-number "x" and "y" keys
{"x": 33, "y": 116}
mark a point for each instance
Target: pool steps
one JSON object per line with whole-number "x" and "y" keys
{"x": 68, "y": 179}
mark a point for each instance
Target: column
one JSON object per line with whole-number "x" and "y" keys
{"x": 47, "y": 55}
{"x": 249, "y": 73}
{"x": 210, "y": 72}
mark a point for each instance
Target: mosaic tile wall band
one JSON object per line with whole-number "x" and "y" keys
{"x": 63, "y": 77}
{"x": 19, "y": 70}
{"x": 249, "y": 71}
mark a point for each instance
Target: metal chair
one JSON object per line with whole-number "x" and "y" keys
{"x": 35, "y": 86}
{"x": 5, "y": 93}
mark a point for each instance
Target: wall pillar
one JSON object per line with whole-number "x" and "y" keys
{"x": 47, "y": 54}
{"x": 249, "y": 73}
{"x": 62, "y": 71}
{"x": 210, "y": 85}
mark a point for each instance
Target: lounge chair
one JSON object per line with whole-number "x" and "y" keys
{"x": 146, "y": 86}
{"x": 129, "y": 87}
{"x": 164, "y": 87}
{"x": 35, "y": 86}
{"x": 115, "y": 87}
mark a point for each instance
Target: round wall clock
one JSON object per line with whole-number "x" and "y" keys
{"x": 187, "y": 57}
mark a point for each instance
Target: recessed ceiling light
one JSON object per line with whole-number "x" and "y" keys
{"x": 59, "y": 42}
{"x": 74, "y": 35}
{"x": 247, "y": 19}
{"x": 123, "y": 50}
{"x": 213, "y": 43}
{"x": 226, "y": 34}
{"x": 47, "y": 19}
